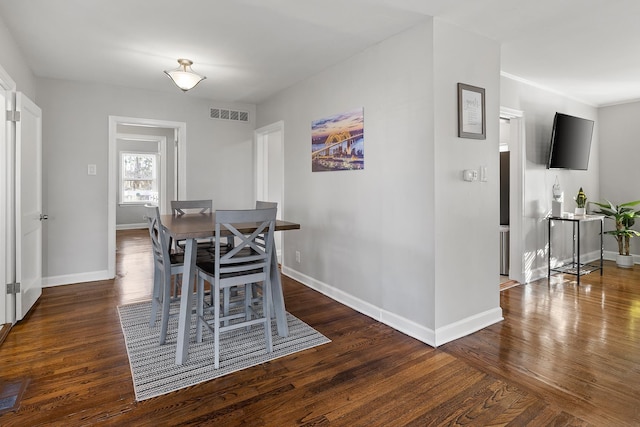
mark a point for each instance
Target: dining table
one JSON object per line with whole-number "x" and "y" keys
{"x": 193, "y": 226}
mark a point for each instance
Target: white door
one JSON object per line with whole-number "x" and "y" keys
{"x": 270, "y": 170}
{"x": 5, "y": 275}
{"x": 28, "y": 204}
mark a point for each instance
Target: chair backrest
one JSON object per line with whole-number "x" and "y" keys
{"x": 159, "y": 238}
{"x": 261, "y": 239}
{"x": 181, "y": 207}
{"x": 265, "y": 205}
{"x": 247, "y": 256}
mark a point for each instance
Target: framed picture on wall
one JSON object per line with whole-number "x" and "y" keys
{"x": 471, "y": 112}
{"x": 337, "y": 142}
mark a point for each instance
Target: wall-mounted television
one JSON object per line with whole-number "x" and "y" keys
{"x": 570, "y": 142}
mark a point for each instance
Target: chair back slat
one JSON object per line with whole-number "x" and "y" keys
{"x": 181, "y": 207}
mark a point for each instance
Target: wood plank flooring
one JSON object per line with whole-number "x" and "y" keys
{"x": 564, "y": 355}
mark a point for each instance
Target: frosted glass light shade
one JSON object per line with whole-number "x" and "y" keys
{"x": 183, "y": 76}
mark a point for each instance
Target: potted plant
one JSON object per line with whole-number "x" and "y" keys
{"x": 624, "y": 217}
{"x": 581, "y": 201}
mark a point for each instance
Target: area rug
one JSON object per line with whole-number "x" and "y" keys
{"x": 153, "y": 366}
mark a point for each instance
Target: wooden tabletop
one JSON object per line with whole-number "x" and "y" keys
{"x": 191, "y": 226}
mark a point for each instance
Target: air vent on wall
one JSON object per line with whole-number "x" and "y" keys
{"x": 232, "y": 115}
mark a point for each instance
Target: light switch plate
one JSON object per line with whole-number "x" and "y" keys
{"x": 92, "y": 170}
{"x": 483, "y": 174}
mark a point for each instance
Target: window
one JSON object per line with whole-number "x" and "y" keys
{"x": 138, "y": 178}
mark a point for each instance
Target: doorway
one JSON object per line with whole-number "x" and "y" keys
{"x": 517, "y": 150}
{"x": 269, "y": 149}
{"x": 176, "y": 144}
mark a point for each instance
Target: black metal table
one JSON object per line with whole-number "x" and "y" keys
{"x": 576, "y": 267}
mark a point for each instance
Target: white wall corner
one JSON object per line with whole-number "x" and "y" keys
{"x": 68, "y": 279}
{"x": 467, "y": 326}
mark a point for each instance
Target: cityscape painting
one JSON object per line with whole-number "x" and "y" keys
{"x": 337, "y": 142}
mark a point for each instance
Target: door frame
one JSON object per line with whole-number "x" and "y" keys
{"x": 180, "y": 129}
{"x": 7, "y": 248}
{"x": 261, "y": 166}
{"x": 517, "y": 150}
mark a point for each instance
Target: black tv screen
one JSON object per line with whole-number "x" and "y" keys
{"x": 570, "y": 142}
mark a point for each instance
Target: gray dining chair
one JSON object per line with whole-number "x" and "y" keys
{"x": 167, "y": 265}
{"x": 182, "y": 207}
{"x": 164, "y": 268}
{"x": 237, "y": 268}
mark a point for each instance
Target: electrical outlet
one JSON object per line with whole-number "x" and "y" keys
{"x": 298, "y": 257}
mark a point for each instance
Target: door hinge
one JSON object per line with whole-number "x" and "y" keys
{"x": 13, "y": 288}
{"x": 13, "y": 116}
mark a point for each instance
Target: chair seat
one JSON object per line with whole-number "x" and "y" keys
{"x": 178, "y": 257}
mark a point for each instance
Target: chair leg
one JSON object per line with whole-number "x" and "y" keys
{"x": 216, "y": 323}
{"x": 266, "y": 307}
{"x": 226, "y": 302}
{"x": 199, "y": 308}
{"x": 248, "y": 298}
{"x": 166, "y": 304}
{"x": 155, "y": 301}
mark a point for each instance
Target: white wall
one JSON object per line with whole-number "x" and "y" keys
{"x": 539, "y": 107}
{"x": 619, "y": 158}
{"x": 15, "y": 63}
{"x": 75, "y": 133}
{"x": 467, "y": 215}
{"x": 369, "y": 238}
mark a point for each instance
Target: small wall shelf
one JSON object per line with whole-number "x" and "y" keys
{"x": 576, "y": 267}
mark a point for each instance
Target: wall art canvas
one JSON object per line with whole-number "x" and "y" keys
{"x": 337, "y": 142}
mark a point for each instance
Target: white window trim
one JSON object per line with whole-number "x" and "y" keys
{"x": 156, "y": 160}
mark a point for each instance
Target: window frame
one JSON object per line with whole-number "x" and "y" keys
{"x": 122, "y": 178}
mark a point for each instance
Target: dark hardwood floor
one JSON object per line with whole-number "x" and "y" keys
{"x": 564, "y": 355}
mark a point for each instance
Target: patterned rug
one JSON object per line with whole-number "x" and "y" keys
{"x": 153, "y": 366}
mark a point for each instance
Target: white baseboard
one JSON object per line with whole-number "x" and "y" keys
{"x": 131, "y": 226}
{"x": 468, "y": 326}
{"x": 427, "y": 335}
{"x": 69, "y": 279}
{"x": 611, "y": 256}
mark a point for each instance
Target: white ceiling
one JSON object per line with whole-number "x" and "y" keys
{"x": 251, "y": 49}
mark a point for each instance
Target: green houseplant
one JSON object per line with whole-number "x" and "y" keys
{"x": 624, "y": 216}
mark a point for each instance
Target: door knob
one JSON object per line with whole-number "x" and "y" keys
{"x": 43, "y": 217}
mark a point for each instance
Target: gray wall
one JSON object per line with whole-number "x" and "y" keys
{"x": 75, "y": 133}
{"x": 619, "y": 158}
{"x": 390, "y": 240}
{"x": 15, "y": 64}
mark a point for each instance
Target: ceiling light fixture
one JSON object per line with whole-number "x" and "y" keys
{"x": 183, "y": 76}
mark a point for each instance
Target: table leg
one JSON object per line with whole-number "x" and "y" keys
{"x": 278, "y": 296}
{"x": 577, "y": 224}
{"x": 184, "y": 320}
